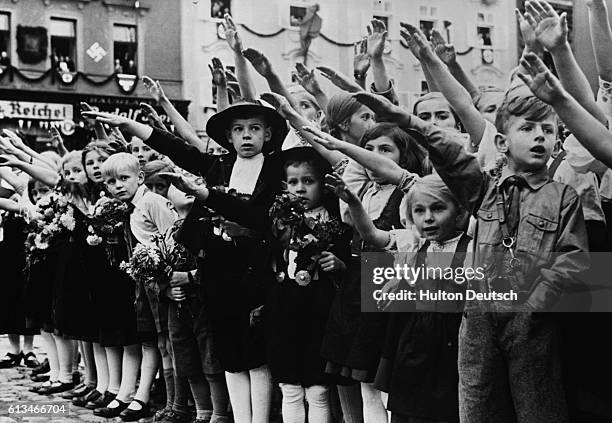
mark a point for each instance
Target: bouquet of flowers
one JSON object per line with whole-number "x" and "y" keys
{"x": 108, "y": 217}
{"x": 55, "y": 219}
{"x": 308, "y": 236}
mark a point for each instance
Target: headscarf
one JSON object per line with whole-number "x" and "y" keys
{"x": 340, "y": 107}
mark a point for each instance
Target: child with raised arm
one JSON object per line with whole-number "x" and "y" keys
{"x": 540, "y": 231}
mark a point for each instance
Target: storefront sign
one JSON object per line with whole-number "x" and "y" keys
{"x": 36, "y": 111}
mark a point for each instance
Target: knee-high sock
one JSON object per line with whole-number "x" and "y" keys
{"x": 293, "y": 403}
{"x": 351, "y": 403}
{"x": 373, "y": 408}
{"x": 91, "y": 376}
{"x": 65, "y": 353}
{"x": 114, "y": 358}
{"x": 130, "y": 365}
{"x": 239, "y": 387}
{"x": 148, "y": 370}
{"x": 14, "y": 342}
{"x": 99, "y": 354}
{"x": 181, "y": 394}
{"x": 170, "y": 389}
{"x": 319, "y": 409}
{"x": 261, "y": 393}
{"x": 28, "y": 343}
{"x": 51, "y": 350}
{"x": 201, "y": 396}
{"x": 218, "y": 394}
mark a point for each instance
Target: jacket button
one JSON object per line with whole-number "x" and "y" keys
{"x": 541, "y": 223}
{"x": 489, "y": 215}
{"x": 450, "y": 344}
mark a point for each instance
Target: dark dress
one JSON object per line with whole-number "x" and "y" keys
{"x": 419, "y": 361}
{"x": 13, "y": 300}
{"x": 295, "y": 321}
{"x": 235, "y": 274}
{"x": 353, "y": 340}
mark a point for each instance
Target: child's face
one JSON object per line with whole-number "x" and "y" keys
{"x": 141, "y": 151}
{"x": 434, "y": 219}
{"x": 303, "y": 181}
{"x": 307, "y": 109}
{"x": 489, "y": 103}
{"x": 529, "y": 144}
{"x": 158, "y": 185}
{"x": 73, "y": 171}
{"x": 385, "y": 147}
{"x": 360, "y": 122}
{"x": 248, "y": 136}
{"x": 438, "y": 112}
{"x": 93, "y": 163}
{"x": 124, "y": 184}
{"x": 39, "y": 190}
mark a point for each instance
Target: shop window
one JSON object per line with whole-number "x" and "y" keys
{"x": 63, "y": 44}
{"x": 5, "y": 39}
{"x": 218, "y": 8}
{"x": 427, "y": 28}
{"x": 125, "y": 49}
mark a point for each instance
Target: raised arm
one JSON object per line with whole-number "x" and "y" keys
{"x": 98, "y": 126}
{"x": 15, "y": 146}
{"x": 377, "y": 36}
{"x": 220, "y": 81}
{"x": 446, "y": 53}
{"x": 41, "y": 173}
{"x": 383, "y": 166}
{"x": 182, "y": 126}
{"x": 298, "y": 122}
{"x": 459, "y": 99}
{"x": 308, "y": 80}
{"x": 362, "y": 222}
{"x": 415, "y": 49}
{"x": 589, "y": 131}
{"x": 339, "y": 80}
{"x": 243, "y": 75}
{"x": 361, "y": 63}
{"x": 601, "y": 36}
{"x": 551, "y": 32}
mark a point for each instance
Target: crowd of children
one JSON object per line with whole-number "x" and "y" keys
{"x": 252, "y": 320}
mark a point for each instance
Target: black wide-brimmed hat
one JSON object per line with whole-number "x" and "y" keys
{"x": 280, "y": 158}
{"x": 219, "y": 123}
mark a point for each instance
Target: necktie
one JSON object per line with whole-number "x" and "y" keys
{"x": 127, "y": 231}
{"x": 513, "y": 187}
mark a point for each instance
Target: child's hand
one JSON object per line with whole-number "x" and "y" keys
{"x": 550, "y": 28}
{"x": 330, "y": 263}
{"x": 377, "y": 36}
{"x": 176, "y": 293}
{"x": 14, "y": 139}
{"x": 446, "y": 52}
{"x": 256, "y": 316}
{"x": 152, "y": 117}
{"x": 323, "y": 138}
{"x": 181, "y": 182}
{"x": 259, "y": 61}
{"x": 528, "y": 32}
{"x": 108, "y": 118}
{"x": 540, "y": 80}
{"x": 382, "y": 107}
{"x": 218, "y": 73}
{"x": 9, "y": 161}
{"x": 335, "y": 183}
{"x": 57, "y": 138}
{"x": 361, "y": 59}
{"x": 280, "y": 103}
{"x": 155, "y": 89}
{"x": 6, "y": 147}
{"x": 339, "y": 80}
{"x": 231, "y": 35}
{"x": 116, "y": 139}
{"x": 307, "y": 79}
{"x": 417, "y": 42}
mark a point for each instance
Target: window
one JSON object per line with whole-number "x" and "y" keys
{"x": 484, "y": 36}
{"x": 125, "y": 49}
{"x": 427, "y": 28}
{"x": 63, "y": 44}
{"x": 383, "y": 19}
{"x": 5, "y": 39}
{"x": 296, "y": 14}
{"x": 218, "y": 8}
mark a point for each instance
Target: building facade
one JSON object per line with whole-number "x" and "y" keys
{"x": 484, "y": 33}
{"x": 55, "y": 54}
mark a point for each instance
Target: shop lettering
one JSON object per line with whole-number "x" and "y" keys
{"x": 36, "y": 111}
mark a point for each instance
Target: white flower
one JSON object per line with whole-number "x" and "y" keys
{"x": 40, "y": 244}
{"x": 67, "y": 221}
{"x": 94, "y": 240}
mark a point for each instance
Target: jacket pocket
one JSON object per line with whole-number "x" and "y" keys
{"x": 537, "y": 235}
{"x": 488, "y": 230}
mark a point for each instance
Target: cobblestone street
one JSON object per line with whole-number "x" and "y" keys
{"x": 14, "y": 385}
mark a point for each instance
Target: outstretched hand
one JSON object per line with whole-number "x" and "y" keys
{"x": 7, "y": 160}
{"x": 528, "y": 32}
{"x": 153, "y": 117}
{"x": 416, "y": 40}
{"x": 446, "y": 52}
{"x": 540, "y": 80}
{"x": 155, "y": 88}
{"x": 259, "y": 61}
{"x": 377, "y": 36}
{"x": 335, "y": 184}
{"x": 326, "y": 140}
{"x": 181, "y": 182}
{"x": 361, "y": 59}
{"x": 218, "y": 73}
{"x": 231, "y": 34}
{"x": 339, "y": 80}
{"x": 280, "y": 103}
{"x": 307, "y": 79}
{"x": 550, "y": 29}
{"x": 382, "y": 107}
{"x": 108, "y": 118}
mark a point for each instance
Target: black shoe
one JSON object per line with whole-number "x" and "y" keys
{"x": 128, "y": 415}
{"x": 78, "y": 391}
{"x": 40, "y": 378}
{"x": 11, "y": 360}
{"x": 109, "y": 413}
{"x": 37, "y": 388}
{"x": 30, "y": 360}
{"x": 174, "y": 417}
{"x": 102, "y": 401}
{"x": 82, "y": 401}
{"x": 55, "y": 388}
{"x": 43, "y": 368}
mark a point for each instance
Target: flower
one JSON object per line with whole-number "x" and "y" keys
{"x": 94, "y": 240}
{"x": 68, "y": 221}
